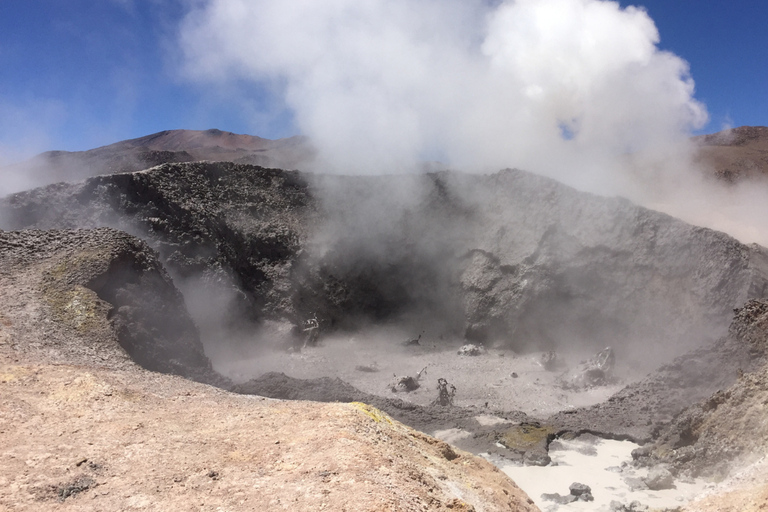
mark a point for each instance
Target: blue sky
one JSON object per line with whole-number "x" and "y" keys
{"x": 78, "y": 74}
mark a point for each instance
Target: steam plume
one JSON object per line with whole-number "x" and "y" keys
{"x": 553, "y": 86}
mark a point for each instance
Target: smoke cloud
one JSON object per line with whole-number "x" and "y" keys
{"x": 565, "y": 88}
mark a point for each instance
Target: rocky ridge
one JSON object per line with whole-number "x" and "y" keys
{"x": 726, "y": 429}
{"x": 643, "y": 409}
{"x": 490, "y": 258}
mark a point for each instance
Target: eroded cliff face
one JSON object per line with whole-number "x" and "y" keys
{"x": 508, "y": 258}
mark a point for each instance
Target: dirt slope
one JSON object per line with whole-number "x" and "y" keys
{"x": 75, "y": 438}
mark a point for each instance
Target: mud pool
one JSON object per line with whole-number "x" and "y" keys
{"x": 603, "y": 465}
{"x": 498, "y": 379}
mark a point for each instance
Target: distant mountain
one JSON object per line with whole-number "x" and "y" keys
{"x": 735, "y": 154}
{"x": 163, "y": 147}
{"x": 203, "y": 145}
{"x": 731, "y": 155}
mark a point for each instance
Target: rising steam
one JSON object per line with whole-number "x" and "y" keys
{"x": 566, "y": 88}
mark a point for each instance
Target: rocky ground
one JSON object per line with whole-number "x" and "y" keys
{"x": 490, "y": 259}
{"x": 399, "y": 275}
{"x": 83, "y": 427}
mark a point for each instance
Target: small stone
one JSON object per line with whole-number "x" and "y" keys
{"x": 536, "y": 458}
{"x": 471, "y": 350}
{"x": 659, "y": 478}
{"x": 558, "y": 498}
{"x": 578, "y": 489}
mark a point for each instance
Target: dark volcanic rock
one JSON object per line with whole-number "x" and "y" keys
{"x": 559, "y": 499}
{"x": 92, "y": 282}
{"x": 579, "y": 489}
{"x": 325, "y": 389}
{"x": 215, "y": 222}
{"x": 508, "y": 258}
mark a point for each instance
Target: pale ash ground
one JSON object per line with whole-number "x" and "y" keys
{"x": 487, "y": 378}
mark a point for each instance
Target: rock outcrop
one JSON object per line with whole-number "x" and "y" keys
{"x": 641, "y": 410}
{"x": 728, "y": 428}
{"x": 95, "y": 297}
{"x": 507, "y": 258}
{"x": 220, "y": 224}
{"x": 85, "y": 428}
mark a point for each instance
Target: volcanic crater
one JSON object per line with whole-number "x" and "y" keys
{"x": 547, "y": 313}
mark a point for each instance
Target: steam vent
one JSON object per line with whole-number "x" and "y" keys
{"x": 180, "y": 331}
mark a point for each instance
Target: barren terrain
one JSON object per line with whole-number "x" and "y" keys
{"x": 85, "y": 428}
{"x": 264, "y": 284}
{"x": 75, "y": 438}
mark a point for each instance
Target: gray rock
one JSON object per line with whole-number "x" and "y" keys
{"x": 92, "y": 279}
{"x": 560, "y": 499}
{"x": 536, "y": 457}
{"x": 577, "y": 489}
{"x": 471, "y": 349}
{"x": 492, "y": 257}
{"x": 635, "y": 506}
{"x": 659, "y": 478}
{"x": 635, "y": 483}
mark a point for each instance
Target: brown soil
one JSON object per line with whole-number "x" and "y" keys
{"x": 76, "y": 438}
{"x": 747, "y": 491}
{"x": 83, "y": 426}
